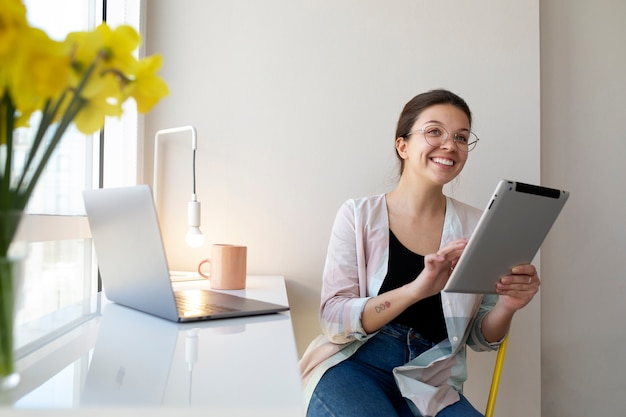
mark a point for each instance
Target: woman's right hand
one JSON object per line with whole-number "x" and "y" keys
{"x": 437, "y": 269}
{"x": 383, "y": 308}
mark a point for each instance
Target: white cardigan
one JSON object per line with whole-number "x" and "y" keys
{"x": 356, "y": 265}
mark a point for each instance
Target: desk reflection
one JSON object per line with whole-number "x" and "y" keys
{"x": 143, "y": 360}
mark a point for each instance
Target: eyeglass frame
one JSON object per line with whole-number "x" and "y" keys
{"x": 470, "y": 145}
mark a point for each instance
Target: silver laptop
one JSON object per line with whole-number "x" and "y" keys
{"x": 133, "y": 266}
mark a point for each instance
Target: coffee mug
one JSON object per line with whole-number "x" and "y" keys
{"x": 227, "y": 267}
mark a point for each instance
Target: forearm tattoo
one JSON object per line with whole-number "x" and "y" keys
{"x": 383, "y": 306}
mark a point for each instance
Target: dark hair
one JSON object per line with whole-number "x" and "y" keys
{"x": 412, "y": 110}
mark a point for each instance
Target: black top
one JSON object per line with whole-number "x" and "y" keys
{"x": 425, "y": 316}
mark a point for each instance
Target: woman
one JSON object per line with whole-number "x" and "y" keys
{"x": 393, "y": 343}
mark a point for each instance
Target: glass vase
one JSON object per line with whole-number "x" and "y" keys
{"x": 11, "y": 272}
{"x": 13, "y": 248}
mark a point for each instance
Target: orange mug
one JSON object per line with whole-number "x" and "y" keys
{"x": 227, "y": 267}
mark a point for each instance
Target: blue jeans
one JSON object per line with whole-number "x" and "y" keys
{"x": 363, "y": 385}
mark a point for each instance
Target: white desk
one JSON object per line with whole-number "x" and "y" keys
{"x": 143, "y": 365}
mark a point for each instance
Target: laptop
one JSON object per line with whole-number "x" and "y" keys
{"x": 510, "y": 232}
{"x": 133, "y": 265}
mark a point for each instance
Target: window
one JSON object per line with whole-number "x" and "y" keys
{"x": 61, "y": 269}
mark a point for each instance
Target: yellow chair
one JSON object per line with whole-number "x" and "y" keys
{"x": 495, "y": 380}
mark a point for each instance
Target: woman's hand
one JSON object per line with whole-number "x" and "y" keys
{"x": 383, "y": 308}
{"x": 518, "y": 289}
{"x": 437, "y": 268}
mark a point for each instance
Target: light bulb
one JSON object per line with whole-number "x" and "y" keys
{"x": 194, "y": 237}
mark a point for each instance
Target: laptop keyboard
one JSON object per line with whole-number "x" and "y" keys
{"x": 194, "y": 302}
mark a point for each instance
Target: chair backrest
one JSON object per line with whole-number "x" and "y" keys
{"x": 495, "y": 380}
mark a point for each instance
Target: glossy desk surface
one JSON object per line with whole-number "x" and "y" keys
{"x": 144, "y": 365}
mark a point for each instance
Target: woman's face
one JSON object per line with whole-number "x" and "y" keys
{"x": 438, "y": 163}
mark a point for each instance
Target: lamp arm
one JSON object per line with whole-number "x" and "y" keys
{"x": 194, "y": 237}
{"x": 155, "y": 170}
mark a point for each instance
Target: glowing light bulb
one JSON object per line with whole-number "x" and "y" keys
{"x": 194, "y": 236}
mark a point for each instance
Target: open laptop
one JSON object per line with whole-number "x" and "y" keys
{"x": 133, "y": 266}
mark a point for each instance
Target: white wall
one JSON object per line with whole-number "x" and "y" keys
{"x": 296, "y": 102}
{"x": 583, "y": 100}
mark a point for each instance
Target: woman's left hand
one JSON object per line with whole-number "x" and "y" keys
{"x": 518, "y": 289}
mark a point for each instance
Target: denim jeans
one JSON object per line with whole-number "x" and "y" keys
{"x": 363, "y": 385}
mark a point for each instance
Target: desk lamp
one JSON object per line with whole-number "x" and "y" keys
{"x": 194, "y": 237}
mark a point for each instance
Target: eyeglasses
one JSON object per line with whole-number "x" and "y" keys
{"x": 436, "y": 136}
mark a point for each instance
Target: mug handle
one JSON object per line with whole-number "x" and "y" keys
{"x": 200, "y": 268}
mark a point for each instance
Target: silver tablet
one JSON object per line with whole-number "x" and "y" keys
{"x": 509, "y": 233}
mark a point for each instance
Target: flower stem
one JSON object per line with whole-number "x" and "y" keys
{"x": 46, "y": 118}
{"x": 73, "y": 109}
{"x": 6, "y": 316}
{"x": 26, "y": 187}
{"x": 7, "y": 110}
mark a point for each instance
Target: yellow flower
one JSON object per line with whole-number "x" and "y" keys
{"x": 116, "y": 75}
{"x": 41, "y": 71}
{"x": 110, "y": 49}
{"x": 106, "y": 101}
{"x": 121, "y": 43}
{"x": 147, "y": 88}
{"x": 12, "y": 22}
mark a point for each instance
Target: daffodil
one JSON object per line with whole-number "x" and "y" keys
{"x": 41, "y": 72}
{"x": 103, "y": 101}
{"x": 147, "y": 88}
{"x": 12, "y": 22}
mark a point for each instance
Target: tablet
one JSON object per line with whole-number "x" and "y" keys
{"x": 510, "y": 232}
